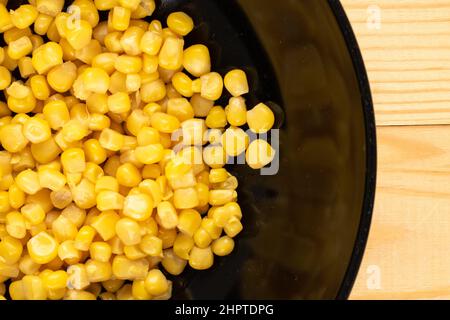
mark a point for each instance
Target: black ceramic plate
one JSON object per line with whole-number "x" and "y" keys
{"x": 305, "y": 227}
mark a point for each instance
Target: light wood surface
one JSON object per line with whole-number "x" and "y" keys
{"x": 408, "y": 62}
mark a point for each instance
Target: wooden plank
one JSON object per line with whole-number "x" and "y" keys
{"x": 407, "y": 58}
{"x": 407, "y": 256}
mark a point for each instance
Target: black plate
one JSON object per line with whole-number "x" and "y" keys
{"x": 305, "y": 227}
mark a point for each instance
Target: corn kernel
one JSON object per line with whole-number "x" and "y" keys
{"x": 28, "y": 181}
{"x": 180, "y": 23}
{"x": 5, "y": 78}
{"x": 105, "y": 223}
{"x": 68, "y": 253}
{"x": 120, "y": 18}
{"x": 24, "y": 16}
{"x": 12, "y": 137}
{"x": 42, "y": 248}
{"x": 196, "y": 60}
{"x": 10, "y": 250}
{"x": 50, "y": 7}
{"x": 260, "y": 119}
{"x": 153, "y": 91}
{"x": 215, "y": 156}
{"x": 259, "y": 154}
{"x": 56, "y": 113}
{"x": 77, "y": 277}
{"x": 171, "y": 54}
{"x": 126, "y": 269}
{"x": 20, "y": 48}
{"x": 156, "y": 283}
{"x": 201, "y": 259}
{"x": 62, "y": 77}
{"x": 46, "y": 57}
{"x": 42, "y": 23}
{"x": 233, "y": 227}
{"x": 89, "y": 52}
{"x": 79, "y": 295}
{"x": 202, "y": 238}
{"x": 5, "y": 19}
{"x": 55, "y": 280}
{"x": 105, "y": 61}
{"x": 28, "y": 266}
{"x": 98, "y": 271}
{"x": 61, "y": 198}
{"x": 36, "y": 130}
{"x": 79, "y": 34}
{"x": 100, "y": 251}
{"x": 34, "y": 288}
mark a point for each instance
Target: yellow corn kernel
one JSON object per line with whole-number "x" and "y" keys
{"x": 119, "y": 102}
{"x": 180, "y": 108}
{"x": 218, "y": 175}
{"x": 125, "y": 293}
{"x": 171, "y": 54}
{"x": 186, "y": 198}
{"x": 172, "y": 263}
{"x": 156, "y": 283}
{"x": 77, "y": 277}
{"x": 133, "y": 82}
{"x": 151, "y": 43}
{"x": 89, "y": 52}
{"x": 233, "y": 227}
{"x": 33, "y": 213}
{"x": 128, "y": 231}
{"x": 10, "y": 250}
{"x": 96, "y": 80}
{"x": 100, "y": 251}
{"x": 46, "y": 57}
{"x": 180, "y": 23}
{"x": 88, "y": 11}
{"x": 97, "y": 103}
{"x": 16, "y": 197}
{"x": 106, "y": 183}
{"x": 138, "y": 206}
{"x": 73, "y": 160}
{"x": 209, "y": 226}
{"x": 167, "y": 236}
{"x": 164, "y": 122}
{"x": 196, "y": 60}
{"x": 51, "y": 179}
{"x": 28, "y": 181}
{"x": 20, "y": 48}
{"x": 131, "y": 39}
{"x": 40, "y": 87}
{"x": 34, "y": 230}
{"x": 236, "y": 82}
{"x": 260, "y": 119}
{"x": 68, "y": 253}
{"x": 236, "y": 112}
{"x": 84, "y": 238}
{"x": 61, "y": 198}
{"x": 34, "y": 288}
{"x": 202, "y": 238}
{"x": 79, "y": 34}
{"x": 16, "y": 291}
{"x": 201, "y": 259}
{"x": 55, "y": 280}
{"x": 42, "y": 23}
{"x": 183, "y": 246}
{"x": 149, "y": 64}
{"x": 105, "y": 223}
{"x": 235, "y": 141}
{"x": 128, "y": 175}
{"x": 134, "y": 252}
{"x": 98, "y": 271}
{"x": 220, "y": 197}
{"x": 151, "y": 171}
{"x": 24, "y": 16}
{"x": 50, "y": 7}
{"x": 167, "y": 215}
{"x": 151, "y": 245}
{"x": 42, "y": 248}
{"x": 223, "y": 246}
{"x": 183, "y": 84}
{"x": 5, "y": 19}
{"x": 212, "y": 86}
{"x": 117, "y": 246}
{"x": 12, "y": 137}
{"x": 120, "y": 18}
{"x": 56, "y": 113}
{"x": 149, "y": 154}
{"x": 139, "y": 292}
{"x": 28, "y": 266}
{"x": 259, "y": 154}
{"x": 153, "y": 189}
{"x": 52, "y": 32}
{"x": 62, "y": 77}
{"x": 56, "y": 294}
{"x": 79, "y": 295}
{"x": 5, "y": 78}
{"x": 22, "y": 105}
{"x": 137, "y": 120}
{"x": 105, "y": 61}
{"x": 36, "y": 130}
{"x": 201, "y": 105}
{"x": 112, "y": 43}
{"x": 111, "y": 286}
{"x": 111, "y": 166}
{"x": 153, "y": 91}
{"x": 64, "y": 229}
{"x": 4, "y": 202}
{"x": 215, "y": 156}
{"x": 25, "y": 67}
{"x": 216, "y": 118}
{"x": 126, "y": 269}
{"x": 111, "y": 140}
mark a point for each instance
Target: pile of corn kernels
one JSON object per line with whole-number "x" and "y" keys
{"x": 112, "y": 166}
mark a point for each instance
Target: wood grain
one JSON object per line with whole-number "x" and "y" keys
{"x": 408, "y": 58}
{"x": 409, "y": 242}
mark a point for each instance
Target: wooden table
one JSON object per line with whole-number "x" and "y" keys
{"x": 407, "y": 56}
